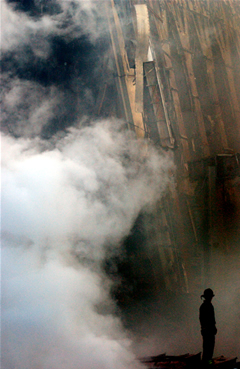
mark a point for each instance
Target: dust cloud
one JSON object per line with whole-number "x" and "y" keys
{"x": 64, "y": 209}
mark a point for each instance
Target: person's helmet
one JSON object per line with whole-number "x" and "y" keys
{"x": 208, "y": 293}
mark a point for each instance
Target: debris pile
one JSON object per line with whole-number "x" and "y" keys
{"x": 164, "y": 361}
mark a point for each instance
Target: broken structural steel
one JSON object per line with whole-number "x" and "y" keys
{"x": 164, "y": 361}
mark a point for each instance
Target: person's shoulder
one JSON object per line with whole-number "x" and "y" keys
{"x": 202, "y": 306}
{"x": 205, "y": 305}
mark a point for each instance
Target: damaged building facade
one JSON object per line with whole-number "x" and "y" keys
{"x": 175, "y": 74}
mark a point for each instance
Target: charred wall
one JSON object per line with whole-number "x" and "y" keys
{"x": 191, "y": 107}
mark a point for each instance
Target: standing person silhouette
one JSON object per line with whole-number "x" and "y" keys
{"x": 208, "y": 326}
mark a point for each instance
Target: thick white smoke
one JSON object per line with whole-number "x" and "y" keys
{"x": 63, "y": 210}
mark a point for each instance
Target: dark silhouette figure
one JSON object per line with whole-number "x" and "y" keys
{"x": 208, "y": 326}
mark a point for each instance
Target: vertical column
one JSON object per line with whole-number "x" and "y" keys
{"x": 183, "y": 34}
{"x": 162, "y": 28}
{"x": 202, "y": 26}
{"x": 125, "y": 74}
{"x": 211, "y": 221}
{"x": 222, "y": 31}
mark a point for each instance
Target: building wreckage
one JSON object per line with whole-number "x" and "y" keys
{"x": 175, "y": 73}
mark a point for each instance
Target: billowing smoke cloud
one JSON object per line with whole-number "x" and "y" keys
{"x": 68, "y": 203}
{"x": 33, "y": 22}
{"x": 65, "y": 208}
{"x": 50, "y": 64}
